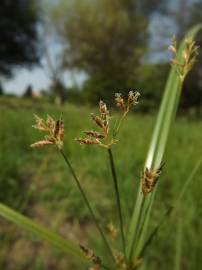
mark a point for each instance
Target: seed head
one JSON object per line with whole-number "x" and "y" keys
{"x": 41, "y": 143}
{"x": 87, "y": 141}
{"x": 61, "y": 133}
{"x": 131, "y": 102}
{"x": 59, "y": 130}
{"x": 133, "y": 99}
{"x": 120, "y": 103}
{"x": 54, "y": 131}
{"x": 40, "y": 124}
{"x": 94, "y": 134}
{"x": 103, "y": 108}
{"x": 189, "y": 55}
{"x": 90, "y": 255}
{"x": 50, "y": 122}
{"x": 97, "y": 120}
{"x": 149, "y": 179}
{"x": 103, "y": 122}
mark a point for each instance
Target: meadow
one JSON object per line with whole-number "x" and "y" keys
{"x": 38, "y": 184}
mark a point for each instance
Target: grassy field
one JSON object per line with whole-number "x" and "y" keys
{"x": 37, "y": 183}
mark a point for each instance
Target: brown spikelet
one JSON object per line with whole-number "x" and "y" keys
{"x": 87, "y": 141}
{"x": 133, "y": 99}
{"x": 54, "y": 131}
{"x": 120, "y": 103}
{"x": 108, "y": 135}
{"x": 61, "y": 130}
{"x": 39, "y": 127}
{"x": 97, "y": 120}
{"x": 57, "y": 128}
{"x": 41, "y": 143}
{"x": 103, "y": 108}
{"x": 149, "y": 180}
{"x": 188, "y": 59}
{"x": 50, "y": 122}
{"x": 90, "y": 255}
{"x": 94, "y": 134}
{"x": 40, "y": 123}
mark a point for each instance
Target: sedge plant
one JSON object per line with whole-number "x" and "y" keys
{"x": 135, "y": 241}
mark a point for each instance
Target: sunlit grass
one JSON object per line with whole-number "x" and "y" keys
{"x": 47, "y": 186}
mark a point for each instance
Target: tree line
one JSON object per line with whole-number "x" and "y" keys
{"x": 111, "y": 42}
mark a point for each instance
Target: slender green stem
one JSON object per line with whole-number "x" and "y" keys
{"x": 137, "y": 232}
{"x": 178, "y": 251}
{"x": 118, "y": 201}
{"x": 88, "y": 204}
{"x": 117, "y": 127}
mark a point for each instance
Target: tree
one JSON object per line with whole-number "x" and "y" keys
{"x": 52, "y": 50}
{"x": 182, "y": 15}
{"x": 189, "y": 15}
{"x": 106, "y": 39}
{"x": 18, "y": 30}
{"x": 52, "y": 64}
{"x": 28, "y": 91}
{"x": 1, "y": 90}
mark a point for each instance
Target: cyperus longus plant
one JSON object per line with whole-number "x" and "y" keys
{"x": 105, "y": 138}
{"x": 136, "y": 240}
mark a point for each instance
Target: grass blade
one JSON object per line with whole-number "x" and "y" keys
{"x": 43, "y": 233}
{"x": 167, "y": 112}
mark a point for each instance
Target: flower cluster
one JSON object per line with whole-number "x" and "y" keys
{"x": 131, "y": 102}
{"x": 53, "y": 129}
{"x": 149, "y": 179}
{"x": 189, "y": 55}
{"x": 103, "y": 120}
{"x": 90, "y": 255}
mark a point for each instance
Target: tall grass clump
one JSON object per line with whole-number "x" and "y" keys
{"x": 126, "y": 245}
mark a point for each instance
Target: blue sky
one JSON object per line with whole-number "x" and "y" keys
{"x": 38, "y": 79}
{"x": 24, "y": 77}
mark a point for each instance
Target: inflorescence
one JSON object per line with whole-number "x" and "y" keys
{"x": 189, "y": 55}
{"x": 53, "y": 129}
{"x": 102, "y": 138}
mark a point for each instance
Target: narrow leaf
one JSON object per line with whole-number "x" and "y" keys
{"x": 41, "y": 232}
{"x": 166, "y": 115}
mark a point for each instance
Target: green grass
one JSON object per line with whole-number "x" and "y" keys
{"x": 37, "y": 182}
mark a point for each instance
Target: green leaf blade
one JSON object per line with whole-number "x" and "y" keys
{"x": 41, "y": 232}
{"x": 166, "y": 115}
